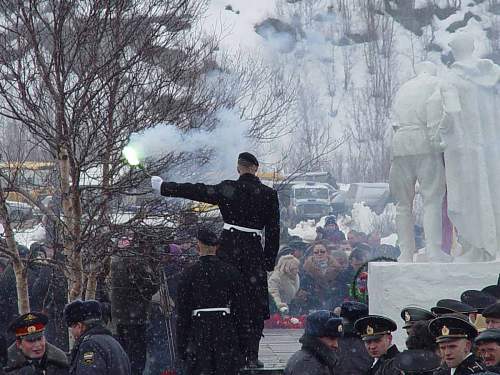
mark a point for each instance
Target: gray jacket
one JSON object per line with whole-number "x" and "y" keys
{"x": 314, "y": 358}
{"x": 96, "y": 352}
{"x": 54, "y": 362}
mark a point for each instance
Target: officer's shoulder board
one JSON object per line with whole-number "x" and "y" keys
{"x": 476, "y": 367}
{"x": 88, "y": 357}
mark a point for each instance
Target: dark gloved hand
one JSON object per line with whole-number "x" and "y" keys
{"x": 269, "y": 265}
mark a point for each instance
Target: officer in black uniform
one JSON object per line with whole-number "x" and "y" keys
{"x": 488, "y": 345}
{"x": 454, "y": 335}
{"x": 452, "y": 306}
{"x": 493, "y": 290}
{"x": 212, "y": 320}
{"x": 353, "y": 356}
{"x": 376, "y": 332}
{"x": 248, "y": 208}
{"x": 31, "y": 354}
{"x": 413, "y": 314}
{"x": 95, "y": 351}
{"x": 477, "y": 299}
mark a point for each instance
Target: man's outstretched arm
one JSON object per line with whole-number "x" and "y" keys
{"x": 196, "y": 192}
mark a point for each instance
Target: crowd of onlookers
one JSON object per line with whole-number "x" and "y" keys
{"x": 318, "y": 275}
{"x": 307, "y": 277}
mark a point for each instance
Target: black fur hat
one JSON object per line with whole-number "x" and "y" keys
{"x": 80, "y": 311}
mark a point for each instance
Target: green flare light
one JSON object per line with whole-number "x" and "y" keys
{"x": 131, "y": 155}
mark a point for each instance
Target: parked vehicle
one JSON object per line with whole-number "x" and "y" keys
{"x": 374, "y": 195}
{"x": 19, "y": 211}
{"x": 309, "y": 200}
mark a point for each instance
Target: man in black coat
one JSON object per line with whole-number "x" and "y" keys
{"x": 212, "y": 320}
{"x": 353, "y": 356}
{"x": 133, "y": 283}
{"x": 376, "y": 332}
{"x": 454, "y": 335}
{"x": 31, "y": 354}
{"x": 96, "y": 352}
{"x": 248, "y": 208}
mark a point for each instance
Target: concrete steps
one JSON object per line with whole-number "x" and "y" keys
{"x": 276, "y": 348}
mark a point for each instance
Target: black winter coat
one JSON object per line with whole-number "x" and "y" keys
{"x": 133, "y": 283}
{"x": 470, "y": 365}
{"x": 96, "y": 352}
{"x": 247, "y": 203}
{"x": 353, "y": 356}
{"x": 212, "y": 342}
{"x": 314, "y": 358}
{"x": 54, "y": 362}
{"x": 385, "y": 364}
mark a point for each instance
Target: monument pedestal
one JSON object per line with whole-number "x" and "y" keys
{"x": 392, "y": 286}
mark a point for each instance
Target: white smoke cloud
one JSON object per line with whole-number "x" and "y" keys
{"x": 226, "y": 141}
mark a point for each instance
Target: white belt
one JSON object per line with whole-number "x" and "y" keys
{"x": 224, "y": 310}
{"x": 243, "y": 229}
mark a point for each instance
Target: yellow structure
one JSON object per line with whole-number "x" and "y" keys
{"x": 31, "y": 176}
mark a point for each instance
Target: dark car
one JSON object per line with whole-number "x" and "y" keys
{"x": 374, "y": 195}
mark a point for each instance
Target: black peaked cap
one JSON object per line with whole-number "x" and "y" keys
{"x": 207, "y": 237}
{"x": 452, "y": 327}
{"x": 249, "y": 158}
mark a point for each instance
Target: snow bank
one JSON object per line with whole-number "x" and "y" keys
{"x": 362, "y": 219}
{"x": 28, "y": 236}
{"x": 305, "y": 230}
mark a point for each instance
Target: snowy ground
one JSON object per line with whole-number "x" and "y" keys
{"x": 27, "y": 236}
{"x": 362, "y": 219}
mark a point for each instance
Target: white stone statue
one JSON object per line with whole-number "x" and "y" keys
{"x": 472, "y": 152}
{"x": 417, "y": 157}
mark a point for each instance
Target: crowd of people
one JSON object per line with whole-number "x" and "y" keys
{"x": 319, "y": 275}
{"x": 198, "y": 307}
{"x": 444, "y": 340}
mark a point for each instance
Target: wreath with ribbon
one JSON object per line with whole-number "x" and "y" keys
{"x": 358, "y": 289}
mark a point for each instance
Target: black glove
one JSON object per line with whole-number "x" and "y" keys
{"x": 269, "y": 265}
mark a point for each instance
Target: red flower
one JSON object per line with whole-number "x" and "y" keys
{"x": 362, "y": 289}
{"x": 363, "y": 276}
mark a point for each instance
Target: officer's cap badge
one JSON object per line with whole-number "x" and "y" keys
{"x": 369, "y": 330}
{"x": 31, "y": 329}
{"x": 29, "y": 317}
{"x": 340, "y": 329}
{"x": 445, "y": 331}
{"x": 407, "y": 316}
